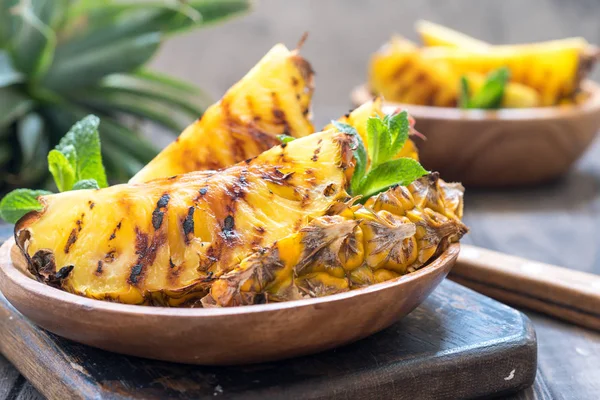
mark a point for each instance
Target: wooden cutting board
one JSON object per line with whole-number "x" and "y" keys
{"x": 457, "y": 344}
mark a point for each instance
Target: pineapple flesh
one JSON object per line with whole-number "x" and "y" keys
{"x": 163, "y": 242}
{"x": 402, "y": 72}
{"x": 394, "y": 233}
{"x": 273, "y": 98}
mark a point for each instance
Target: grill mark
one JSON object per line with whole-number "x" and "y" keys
{"x": 71, "y": 240}
{"x": 279, "y": 115}
{"x": 228, "y": 232}
{"x": 99, "y": 268}
{"x": 114, "y": 233}
{"x": 315, "y": 156}
{"x": 146, "y": 252}
{"x": 91, "y": 204}
{"x": 237, "y": 143}
{"x": 401, "y": 70}
{"x": 159, "y": 211}
{"x": 188, "y": 225}
{"x": 277, "y": 177}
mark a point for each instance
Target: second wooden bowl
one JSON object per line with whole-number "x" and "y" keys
{"x": 508, "y": 147}
{"x": 219, "y": 336}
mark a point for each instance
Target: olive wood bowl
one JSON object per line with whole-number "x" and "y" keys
{"x": 507, "y": 147}
{"x": 219, "y": 336}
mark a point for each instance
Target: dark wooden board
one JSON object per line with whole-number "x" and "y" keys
{"x": 457, "y": 344}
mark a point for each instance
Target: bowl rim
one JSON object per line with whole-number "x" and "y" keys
{"x": 361, "y": 94}
{"x": 30, "y": 285}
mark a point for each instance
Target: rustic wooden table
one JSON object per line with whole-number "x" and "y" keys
{"x": 557, "y": 223}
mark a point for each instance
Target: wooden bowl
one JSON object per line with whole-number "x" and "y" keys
{"x": 508, "y": 147}
{"x": 219, "y": 336}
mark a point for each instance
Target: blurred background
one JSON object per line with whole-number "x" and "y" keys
{"x": 344, "y": 33}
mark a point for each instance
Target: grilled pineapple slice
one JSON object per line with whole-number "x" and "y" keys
{"x": 438, "y": 35}
{"x": 394, "y": 233}
{"x": 273, "y": 98}
{"x": 401, "y": 73}
{"x": 163, "y": 242}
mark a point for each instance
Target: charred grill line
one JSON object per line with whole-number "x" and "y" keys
{"x": 71, "y": 240}
{"x": 188, "y": 224}
{"x": 136, "y": 270}
{"x": 158, "y": 213}
{"x": 99, "y": 267}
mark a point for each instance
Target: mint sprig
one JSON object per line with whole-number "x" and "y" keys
{"x": 75, "y": 164}
{"x": 491, "y": 93}
{"x": 386, "y": 138}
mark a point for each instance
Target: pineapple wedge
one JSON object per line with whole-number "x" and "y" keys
{"x": 273, "y": 98}
{"x": 438, "y": 35}
{"x": 401, "y": 73}
{"x": 164, "y": 241}
{"x": 394, "y": 233}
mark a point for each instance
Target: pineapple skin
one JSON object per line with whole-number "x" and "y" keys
{"x": 394, "y": 233}
{"x": 273, "y": 98}
{"x": 164, "y": 242}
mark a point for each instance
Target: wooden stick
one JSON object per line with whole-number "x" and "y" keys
{"x": 563, "y": 293}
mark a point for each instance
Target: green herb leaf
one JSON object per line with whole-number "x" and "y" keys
{"x": 491, "y": 93}
{"x": 402, "y": 171}
{"x": 62, "y": 170}
{"x": 360, "y": 155}
{"x": 84, "y": 138}
{"x": 19, "y": 202}
{"x": 285, "y": 138}
{"x": 399, "y": 129}
{"x": 86, "y": 184}
{"x": 378, "y": 139}
{"x": 464, "y": 93}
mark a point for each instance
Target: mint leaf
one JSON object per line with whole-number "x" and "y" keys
{"x": 19, "y": 202}
{"x": 464, "y": 93}
{"x": 84, "y": 137}
{"x": 402, "y": 171}
{"x": 491, "y": 93}
{"x": 378, "y": 139}
{"x": 360, "y": 155}
{"x": 399, "y": 129}
{"x": 86, "y": 184}
{"x": 62, "y": 170}
{"x": 285, "y": 138}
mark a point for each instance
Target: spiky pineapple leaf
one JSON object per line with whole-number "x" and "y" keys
{"x": 91, "y": 65}
{"x": 8, "y": 74}
{"x": 19, "y": 202}
{"x": 13, "y": 105}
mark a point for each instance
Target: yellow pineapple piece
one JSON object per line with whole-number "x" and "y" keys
{"x": 437, "y": 35}
{"x": 273, "y": 98}
{"x": 399, "y": 73}
{"x": 164, "y": 241}
{"x": 394, "y": 233}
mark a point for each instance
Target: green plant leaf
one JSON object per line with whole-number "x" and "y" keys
{"x": 19, "y": 202}
{"x": 33, "y": 41}
{"x": 360, "y": 155}
{"x": 378, "y": 140}
{"x": 94, "y": 63}
{"x": 399, "y": 129}
{"x": 7, "y": 21}
{"x": 62, "y": 171}
{"x": 30, "y": 134}
{"x": 13, "y": 105}
{"x": 8, "y": 74}
{"x": 402, "y": 171}
{"x": 285, "y": 138}
{"x": 464, "y": 101}
{"x": 86, "y": 184}
{"x": 491, "y": 93}
{"x": 84, "y": 137}
{"x": 109, "y": 102}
